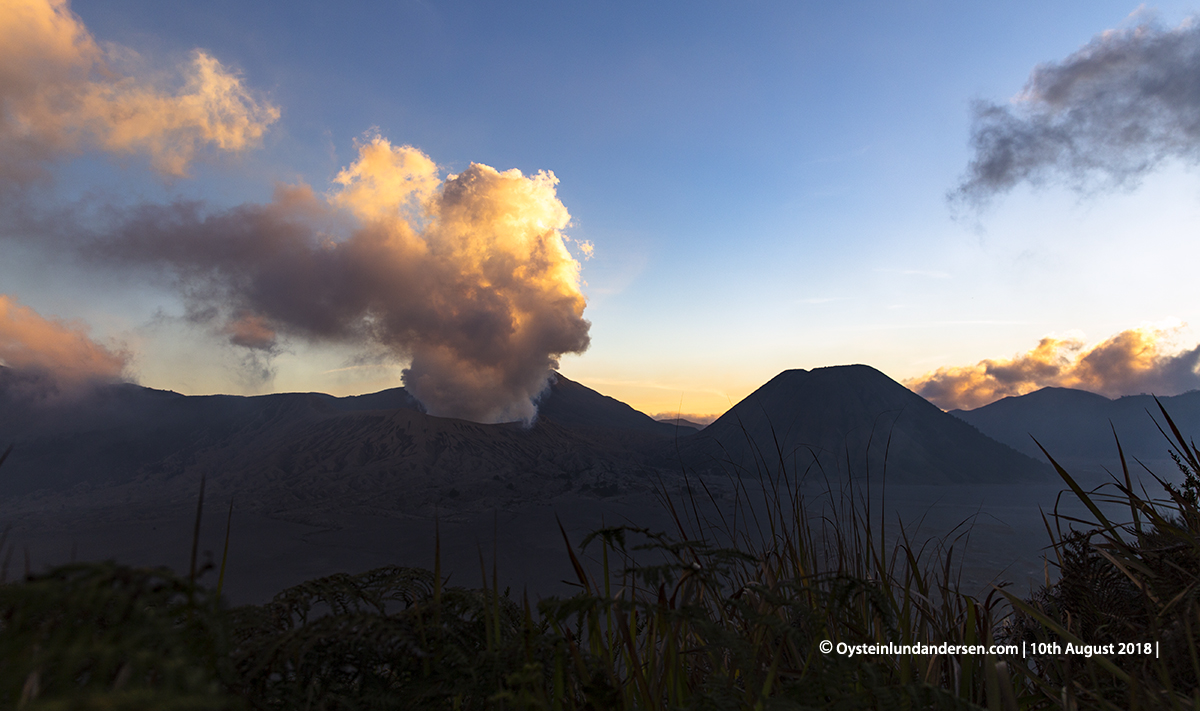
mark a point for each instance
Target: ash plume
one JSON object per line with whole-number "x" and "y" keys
{"x": 468, "y": 278}
{"x": 1134, "y": 361}
{"x": 1100, "y": 119}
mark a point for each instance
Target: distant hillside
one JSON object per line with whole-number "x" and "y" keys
{"x": 830, "y": 421}
{"x": 304, "y": 452}
{"x": 1074, "y": 426}
{"x": 322, "y": 484}
{"x": 679, "y": 421}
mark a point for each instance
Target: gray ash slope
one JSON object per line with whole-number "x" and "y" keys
{"x": 844, "y": 420}
{"x": 1078, "y": 428}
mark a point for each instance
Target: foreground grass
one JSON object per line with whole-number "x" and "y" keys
{"x": 724, "y": 614}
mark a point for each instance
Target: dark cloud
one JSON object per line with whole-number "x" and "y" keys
{"x": 1100, "y": 119}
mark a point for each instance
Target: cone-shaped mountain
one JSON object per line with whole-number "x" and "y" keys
{"x": 852, "y": 420}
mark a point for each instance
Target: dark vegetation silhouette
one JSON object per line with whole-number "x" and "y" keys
{"x": 729, "y": 611}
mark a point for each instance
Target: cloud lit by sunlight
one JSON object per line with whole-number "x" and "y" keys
{"x": 1134, "y": 361}
{"x": 61, "y": 92}
{"x": 61, "y": 350}
{"x": 386, "y": 182}
{"x": 250, "y": 331}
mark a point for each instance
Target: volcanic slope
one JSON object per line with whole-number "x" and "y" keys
{"x": 1077, "y": 428}
{"x": 571, "y": 404}
{"x": 846, "y": 420}
{"x": 307, "y": 454}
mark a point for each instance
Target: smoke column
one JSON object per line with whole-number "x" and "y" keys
{"x": 468, "y": 278}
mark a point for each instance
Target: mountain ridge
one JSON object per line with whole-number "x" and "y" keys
{"x": 840, "y": 419}
{"x": 1077, "y": 427}
{"x": 319, "y": 484}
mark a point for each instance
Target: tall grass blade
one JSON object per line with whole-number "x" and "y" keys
{"x": 195, "y": 544}
{"x": 225, "y": 549}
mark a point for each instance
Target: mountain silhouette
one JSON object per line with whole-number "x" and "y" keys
{"x": 322, "y": 484}
{"x": 281, "y": 450}
{"x": 683, "y": 424}
{"x": 306, "y": 453}
{"x": 853, "y": 420}
{"x": 1077, "y": 428}
{"x": 573, "y": 405}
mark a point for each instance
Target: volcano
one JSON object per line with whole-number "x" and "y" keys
{"x": 853, "y": 421}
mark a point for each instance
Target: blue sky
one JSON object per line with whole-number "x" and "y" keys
{"x": 764, "y": 184}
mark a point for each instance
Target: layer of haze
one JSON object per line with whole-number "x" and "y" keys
{"x": 765, "y": 186}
